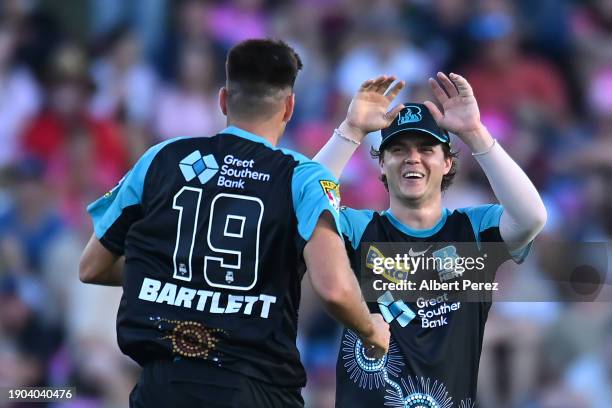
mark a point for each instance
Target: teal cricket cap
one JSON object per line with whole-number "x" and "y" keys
{"x": 414, "y": 118}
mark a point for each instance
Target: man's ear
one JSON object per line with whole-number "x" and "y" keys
{"x": 289, "y": 106}
{"x": 223, "y": 100}
{"x": 381, "y": 162}
{"x": 448, "y": 164}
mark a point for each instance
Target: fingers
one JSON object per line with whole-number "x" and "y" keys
{"x": 393, "y": 113}
{"x": 463, "y": 86}
{"x": 395, "y": 90}
{"x": 378, "y": 85}
{"x": 435, "y": 112}
{"x": 366, "y": 85}
{"x": 386, "y": 84}
{"x": 447, "y": 84}
{"x": 375, "y": 352}
{"x": 372, "y": 85}
{"x": 438, "y": 92}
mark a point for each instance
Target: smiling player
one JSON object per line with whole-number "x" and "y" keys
{"x": 436, "y": 343}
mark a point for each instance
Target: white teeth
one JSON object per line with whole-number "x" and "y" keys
{"x": 413, "y": 174}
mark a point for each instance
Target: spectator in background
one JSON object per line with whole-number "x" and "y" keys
{"x": 64, "y": 131}
{"x": 146, "y": 16}
{"x": 26, "y": 344}
{"x": 188, "y": 18}
{"x": 441, "y": 27}
{"x": 506, "y": 79}
{"x": 299, "y": 25}
{"x": 190, "y": 108}
{"x": 384, "y": 48}
{"x": 591, "y": 375}
{"x": 232, "y": 22}
{"x": 19, "y": 96}
{"x": 592, "y": 29}
{"x": 125, "y": 87}
{"x": 30, "y": 223}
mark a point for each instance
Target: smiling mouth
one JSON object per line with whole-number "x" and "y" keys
{"x": 413, "y": 175}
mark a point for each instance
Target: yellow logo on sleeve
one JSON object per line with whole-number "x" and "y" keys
{"x": 332, "y": 192}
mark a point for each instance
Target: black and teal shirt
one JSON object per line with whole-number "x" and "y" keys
{"x": 435, "y": 341}
{"x": 213, "y": 231}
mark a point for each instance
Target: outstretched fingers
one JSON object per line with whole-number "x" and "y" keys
{"x": 448, "y": 85}
{"x": 438, "y": 92}
{"x": 395, "y": 90}
{"x": 366, "y": 85}
{"x": 435, "y": 111}
{"x": 463, "y": 86}
{"x": 392, "y": 114}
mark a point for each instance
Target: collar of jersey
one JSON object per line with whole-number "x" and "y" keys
{"x": 413, "y": 232}
{"x": 236, "y": 131}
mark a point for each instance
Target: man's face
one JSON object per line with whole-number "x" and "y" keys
{"x": 414, "y": 166}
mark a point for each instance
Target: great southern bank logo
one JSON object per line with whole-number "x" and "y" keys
{"x": 194, "y": 165}
{"x": 412, "y": 114}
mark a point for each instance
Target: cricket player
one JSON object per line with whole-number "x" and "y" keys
{"x": 435, "y": 341}
{"x": 210, "y": 238}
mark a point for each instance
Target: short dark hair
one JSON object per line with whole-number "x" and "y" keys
{"x": 257, "y": 70}
{"x": 447, "y": 179}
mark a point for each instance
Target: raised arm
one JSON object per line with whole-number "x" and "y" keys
{"x": 524, "y": 213}
{"x": 368, "y": 112}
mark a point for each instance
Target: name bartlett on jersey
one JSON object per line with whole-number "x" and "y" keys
{"x": 220, "y": 303}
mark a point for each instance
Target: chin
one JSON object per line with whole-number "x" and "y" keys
{"x": 411, "y": 195}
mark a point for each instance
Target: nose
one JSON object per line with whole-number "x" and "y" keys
{"x": 412, "y": 157}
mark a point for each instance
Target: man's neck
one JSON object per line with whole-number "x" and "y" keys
{"x": 418, "y": 215}
{"x": 267, "y": 130}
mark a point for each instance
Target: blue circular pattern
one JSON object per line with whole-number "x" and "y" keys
{"x": 420, "y": 400}
{"x": 368, "y": 364}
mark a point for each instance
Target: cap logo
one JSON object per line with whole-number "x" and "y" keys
{"x": 412, "y": 114}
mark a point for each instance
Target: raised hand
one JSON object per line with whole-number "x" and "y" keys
{"x": 369, "y": 109}
{"x": 460, "y": 113}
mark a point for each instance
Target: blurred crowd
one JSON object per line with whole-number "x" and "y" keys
{"x": 86, "y": 86}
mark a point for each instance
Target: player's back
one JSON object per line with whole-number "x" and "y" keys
{"x": 209, "y": 228}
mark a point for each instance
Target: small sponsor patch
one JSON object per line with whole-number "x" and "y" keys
{"x": 332, "y": 191}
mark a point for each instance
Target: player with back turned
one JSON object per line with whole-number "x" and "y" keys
{"x": 210, "y": 238}
{"x": 435, "y": 341}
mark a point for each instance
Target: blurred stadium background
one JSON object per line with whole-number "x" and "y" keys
{"x": 87, "y": 85}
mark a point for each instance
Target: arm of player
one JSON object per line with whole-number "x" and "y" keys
{"x": 100, "y": 266}
{"x": 336, "y": 285}
{"x": 524, "y": 213}
{"x": 367, "y": 113}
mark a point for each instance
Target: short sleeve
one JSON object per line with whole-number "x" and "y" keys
{"x": 353, "y": 223}
{"x": 485, "y": 221}
{"x": 314, "y": 190}
{"x": 114, "y": 213}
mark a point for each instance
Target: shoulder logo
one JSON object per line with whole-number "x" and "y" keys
{"x": 412, "y": 114}
{"x": 196, "y": 165}
{"x": 331, "y": 190}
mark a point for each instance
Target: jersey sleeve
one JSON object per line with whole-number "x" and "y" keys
{"x": 314, "y": 190}
{"x": 114, "y": 213}
{"x": 485, "y": 223}
{"x": 353, "y": 224}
